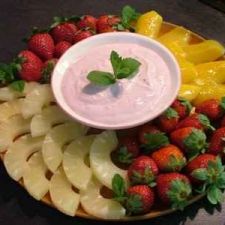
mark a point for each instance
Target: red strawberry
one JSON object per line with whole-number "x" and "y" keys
{"x": 196, "y": 120}
{"x": 87, "y": 21}
{"x": 223, "y": 122}
{"x": 42, "y": 45}
{"x": 47, "y": 69}
{"x": 143, "y": 170}
{"x": 107, "y": 23}
{"x": 146, "y": 129}
{"x": 169, "y": 159}
{"x": 217, "y": 143}
{"x": 212, "y": 108}
{"x": 182, "y": 107}
{"x": 81, "y": 35}
{"x": 61, "y": 47}
{"x": 140, "y": 199}
{"x": 190, "y": 139}
{"x": 174, "y": 189}
{"x": 208, "y": 171}
{"x": 199, "y": 162}
{"x": 64, "y": 32}
{"x": 30, "y": 66}
{"x": 168, "y": 120}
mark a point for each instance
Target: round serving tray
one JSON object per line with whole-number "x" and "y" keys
{"x": 157, "y": 211}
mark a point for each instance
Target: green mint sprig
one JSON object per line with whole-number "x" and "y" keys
{"x": 122, "y": 68}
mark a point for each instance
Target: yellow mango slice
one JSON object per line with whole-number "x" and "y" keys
{"x": 176, "y": 49}
{"x": 208, "y": 92}
{"x": 180, "y": 35}
{"x": 189, "y": 92}
{"x": 149, "y": 24}
{"x": 203, "y": 52}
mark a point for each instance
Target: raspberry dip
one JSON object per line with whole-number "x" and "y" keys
{"x": 129, "y": 102}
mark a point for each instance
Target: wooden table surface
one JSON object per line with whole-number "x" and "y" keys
{"x": 17, "y": 17}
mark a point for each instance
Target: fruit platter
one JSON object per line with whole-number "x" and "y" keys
{"x": 136, "y": 172}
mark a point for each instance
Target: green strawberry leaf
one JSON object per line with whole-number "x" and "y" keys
{"x": 175, "y": 164}
{"x": 222, "y": 103}
{"x": 129, "y": 15}
{"x": 171, "y": 113}
{"x": 101, "y": 78}
{"x": 134, "y": 204}
{"x": 155, "y": 141}
{"x": 17, "y": 85}
{"x": 204, "y": 120}
{"x": 124, "y": 156}
{"x": 118, "y": 186}
{"x": 186, "y": 103}
{"x": 214, "y": 195}
{"x": 200, "y": 174}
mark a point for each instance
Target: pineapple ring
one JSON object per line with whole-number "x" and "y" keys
{"x": 13, "y": 127}
{"x": 15, "y": 159}
{"x": 11, "y": 108}
{"x": 36, "y": 99}
{"x": 96, "y": 205}
{"x": 100, "y": 160}
{"x": 8, "y": 94}
{"x": 34, "y": 178}
{"x": 56, "y": 138}
{"x": 77, "y": 172}
{"x": 62, "y": 195}
{"x": 42, "y": 123}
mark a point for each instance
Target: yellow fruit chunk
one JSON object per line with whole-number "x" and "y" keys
{"x": 176, "y": 49}
{"x": 212, "y": 71}
{"x": 205, "y": 51}
{"x": 180, "y": 35}
{"x": 210, "y": 91}
{"x": 149, "y": 24}
{"x": 189, "y": 92}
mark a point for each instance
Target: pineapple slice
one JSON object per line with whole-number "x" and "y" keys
{"x": 8, "y": 94}
{"x": 96, "y": 205}
{"x": 55, "y": 140}
{"x": 34, "y": 176}
{"x": 77, "y": 172}
{"x": 36, "y": 99}
{"x": 100, "y": 160}
{"x": 63, "y": 197}
{"x": 10, "y": 129}
{"x": 11, "y": 108}
{"x": 42, "y": 123}
{"x": 15, "y": 159}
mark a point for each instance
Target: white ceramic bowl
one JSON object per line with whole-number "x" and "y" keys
{"x": 84, "y": 46}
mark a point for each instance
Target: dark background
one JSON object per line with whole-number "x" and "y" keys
{"x": 17, "y": 17}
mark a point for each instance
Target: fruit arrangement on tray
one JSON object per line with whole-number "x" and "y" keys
{"x": 128, "y": 174}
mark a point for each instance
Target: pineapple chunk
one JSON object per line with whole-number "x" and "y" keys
{"x": 100, "y": 159}
{"x": 62, "y": 195}
{"x": 34, "y": 178}
{"x": 42, "y": 123}
{"x": 77, "y": 172}
{"x": 55, "y": 140}
{"x": 36, "y": 99}
{"x": 10, "y": 129}
{"x": 15, "y": 159}
{"x": 96, "y": 205}
{"x": 11, "y": 108}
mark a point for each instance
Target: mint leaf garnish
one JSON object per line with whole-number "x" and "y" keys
{"x": 129, "y": 15}
{"x": 101, "y": 78}
{"x": 17, "y": 85}
{"x": 122, "y": 68}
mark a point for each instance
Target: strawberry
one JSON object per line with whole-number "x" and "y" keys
{"x": 169, "y": 159}
{"x": 196, "y": 120}
{"x": 223, "y": 122}
{"x": 217, "y": 142}
{"x": 212, "y": 108}
{"x": 174, "y": 189}
{"x": 47, "y": 69}
{"x": 63, "y": 29}
{"x": 190, "y": 139}
{"x": 128, "y": 150}
{"x": 143, "y": 170}
{"x": 140, "y": 199}
{"x": 87, "y": 21}
{"x": 200, "y": 161}
{"x": 209, "y": 170}
{"x": 182, "y": 107}
{"x": 82, "y": 34}
{"x": 146, "y": 129}
{"x": 42, "y": 45}
{"x": 61, "y": 47}
{"x": 107, "y": 23}
{"x": 30, "y": 66}
{"x": 168, "y": 120}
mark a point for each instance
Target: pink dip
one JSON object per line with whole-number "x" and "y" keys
{"x": 125, "y": 101}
